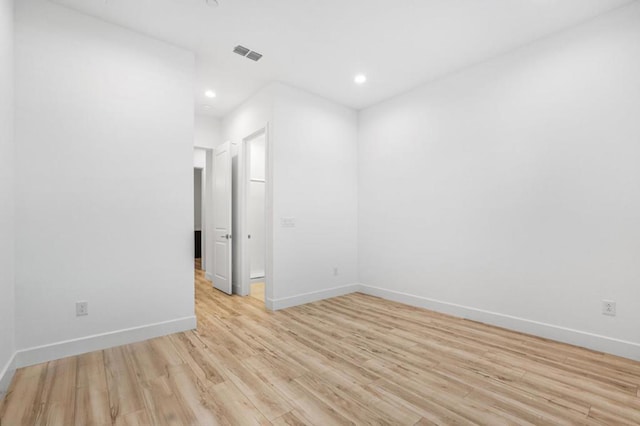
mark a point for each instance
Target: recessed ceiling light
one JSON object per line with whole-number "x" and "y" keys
{"x": 360, "y": 79}
{"x": 210, "y": 94}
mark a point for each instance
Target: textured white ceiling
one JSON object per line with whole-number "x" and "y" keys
{"x": 319, "y": 45}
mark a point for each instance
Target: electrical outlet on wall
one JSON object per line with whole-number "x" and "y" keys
{"x": 288, "y": 222}
{"x": 609, "y": 308}
{"x": 335, "y": 271}
{"x": 82, "y": 309}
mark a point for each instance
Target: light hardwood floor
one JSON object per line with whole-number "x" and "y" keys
{"x": 350, "y": 360}
{"x": 257, "y": 291}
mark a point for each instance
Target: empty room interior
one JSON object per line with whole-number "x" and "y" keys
{"x": 305, "y": 212}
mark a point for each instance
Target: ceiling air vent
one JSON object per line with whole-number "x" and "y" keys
{"x": 241, "y": 50}
{"x": 247, "y": 53}
{"x": 254, "y": 56}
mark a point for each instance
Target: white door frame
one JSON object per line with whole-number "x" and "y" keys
{"x": 203, "y": 218}
{"x": 207, "y": 215}
{"x": 207, "y": 220}
{"x": 243, "y": 194}
{"x": 203, "y": 210}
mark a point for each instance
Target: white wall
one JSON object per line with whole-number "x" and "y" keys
{"x": 510, "y": 192}
{"x": 313, "y": 150}
{"x": 252, "y": 115}
{"x": 7, "y": 299}
{"x": 104, "y": 131}
{"x": 315, "y": 182}
{"x": 207, "y": 131}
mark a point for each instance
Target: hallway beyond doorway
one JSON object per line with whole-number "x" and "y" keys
{"x": 257, "y": 291}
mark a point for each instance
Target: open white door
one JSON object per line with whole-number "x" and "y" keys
{"x": 222, "y": 218}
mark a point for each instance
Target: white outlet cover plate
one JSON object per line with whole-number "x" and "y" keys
{"x": 288, "y": 222}
{"x": 609, "y": 308}
{"x": 82, "y": 309}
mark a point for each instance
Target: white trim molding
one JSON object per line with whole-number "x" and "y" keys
{"x": 36, "y": 355}
{"x": 314, "y": 296}
{"x": 583, "y": 339}
{"x": 6, "y": 375}
{"x": 58, "y": 350}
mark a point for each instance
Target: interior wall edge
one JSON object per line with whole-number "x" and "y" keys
{"x": 7, "y": 194}
{"x": 6, "y": 375}
{"x": 313, "y": 296}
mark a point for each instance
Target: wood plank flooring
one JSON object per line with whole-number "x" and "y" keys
{"x": 257, "y": 291}
{"x": 350, "y": 360}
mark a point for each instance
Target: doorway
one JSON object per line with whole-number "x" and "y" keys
{"x": 202, "y": 201}
{"x": 198, "y": 194}
{"x": 255, "y": 214}
{"x": 254, "y": 183}
{"x": 239, "y": 256}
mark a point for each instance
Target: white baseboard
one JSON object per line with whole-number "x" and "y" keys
{"x": 314, "y": 296}
{"x": 36, "y": 355}
{"x": 45, "y": 353}
{"x": 6, "y": 375}
{"x": 237, "y": 289}
{"x": 549, "y": 331}
{"x": 208, "y": 276}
